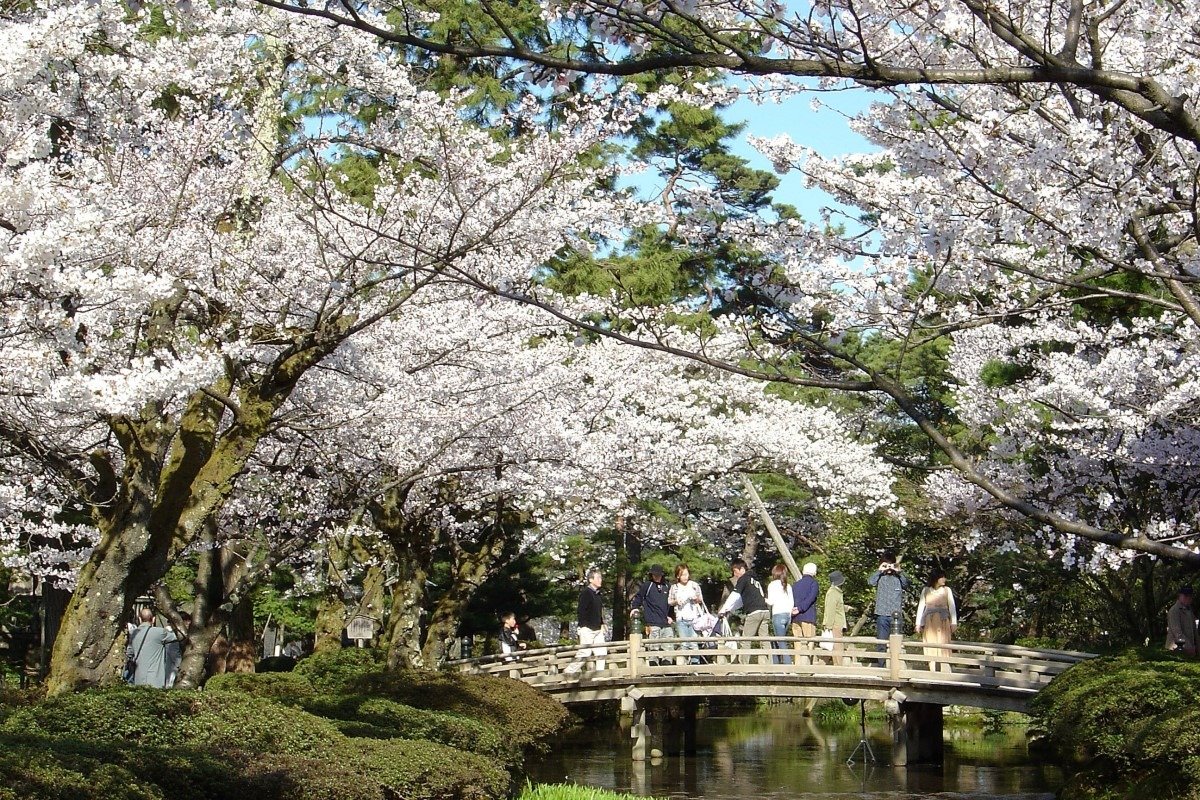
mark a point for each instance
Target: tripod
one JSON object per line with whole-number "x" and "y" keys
{"x": 862, "y": 742}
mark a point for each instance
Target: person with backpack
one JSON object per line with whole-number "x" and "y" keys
{"x": 747, "y": 595}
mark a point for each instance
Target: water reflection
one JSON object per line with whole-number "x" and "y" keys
{"x": 782, "y": 754}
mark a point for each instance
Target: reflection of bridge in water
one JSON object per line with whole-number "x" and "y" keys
{"x": 919, "y": 678}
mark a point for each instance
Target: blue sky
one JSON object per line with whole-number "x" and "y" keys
{"x": 826, "y": 130}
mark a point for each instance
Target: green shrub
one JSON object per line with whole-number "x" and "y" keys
{"x": 1129, "y": 723}
{"x": 380, "y": 718}
{"x": 339, "y": 671}
{"x": 372, "y": 770}
{"x": 38, "y": 772}
{"x": 152, "y": 717}
{"x": 527, "y": 715}
{"x": 285, "y": 686}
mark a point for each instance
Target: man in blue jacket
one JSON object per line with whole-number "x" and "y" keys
{"x": 804, "y": 613}
{"x": 651, "y": 602}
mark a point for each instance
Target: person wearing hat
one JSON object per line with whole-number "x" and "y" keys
{"x": 1181, "y": 624}
{"x": 834, "y": 619}
{"x": 651, "y": 603}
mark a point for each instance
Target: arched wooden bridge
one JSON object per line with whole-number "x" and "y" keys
{"x": 989, "y": 676}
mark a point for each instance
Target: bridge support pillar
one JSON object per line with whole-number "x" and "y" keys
{"x": 640, "y": 733}
{"x": 917, "y": 734}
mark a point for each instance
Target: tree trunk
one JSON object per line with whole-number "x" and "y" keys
{"x": 54, "y": 605}
{"x": 243, "y": 644}
{"x": 331, "y": 611}
{"x": 470, "y": 570}
{"x": 404, "y": 619}
{"x": 89, "y": 648}
{"x": 620, "y": 596}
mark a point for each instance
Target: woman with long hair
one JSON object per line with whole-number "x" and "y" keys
{"x": 937, "y": 617}
{"x": 688, "y": 603}
{"x": 779, "y": 598}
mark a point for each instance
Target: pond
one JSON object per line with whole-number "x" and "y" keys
{"x": 778, "y": 752}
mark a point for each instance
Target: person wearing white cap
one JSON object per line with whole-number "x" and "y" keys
{"x": 804, "y": 612}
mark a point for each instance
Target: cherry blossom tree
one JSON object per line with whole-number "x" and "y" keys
{"x": 1032, "y": 202}
{"x": 517, "y": 433}
{"x": 201, "y": 304}
{"x": 174, "y": 266}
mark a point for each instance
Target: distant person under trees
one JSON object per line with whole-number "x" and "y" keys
{"x": 937, "y": 616}
{"x": 1181, "y": 624}
{"x": 889, "y": 583}
{"x": 510, "y": 637}
{"x": 148, "y": 649}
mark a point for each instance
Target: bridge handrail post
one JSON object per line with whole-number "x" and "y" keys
{"x": 895, "y": 649}
{"x": 635, "y": 648}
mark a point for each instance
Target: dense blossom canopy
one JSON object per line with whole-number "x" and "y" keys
{"x": 208, "y": 316}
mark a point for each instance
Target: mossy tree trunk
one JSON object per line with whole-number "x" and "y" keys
{"x": 469, "y": 569}
{"x": 173, "y": 481}
{"x": 414, "y": 543}
{"x": 404, "y": 619}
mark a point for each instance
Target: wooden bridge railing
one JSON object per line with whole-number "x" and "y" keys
{"x": 1003, "y": 668}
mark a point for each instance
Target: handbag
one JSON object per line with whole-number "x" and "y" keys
{"x": 826, "y": 642}
{"x": 706, "y": 621}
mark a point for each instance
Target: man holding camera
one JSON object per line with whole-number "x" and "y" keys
{"x": 889, "y": 583}
{"x": 1181, "y": 624}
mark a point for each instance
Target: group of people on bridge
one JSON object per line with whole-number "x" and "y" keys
{"x": 677, "y": 609}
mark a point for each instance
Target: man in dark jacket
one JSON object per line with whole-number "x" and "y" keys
{"x": 748, "y": 595}
{"x": 650, "y": 603}
{"x": 804, "y": 620}
{"x": 590, "y": 616}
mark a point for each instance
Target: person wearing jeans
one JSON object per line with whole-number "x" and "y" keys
{"x": 779, "y": 598}
{"x": 889, "y": 583}
{"x": 688, "y": 603}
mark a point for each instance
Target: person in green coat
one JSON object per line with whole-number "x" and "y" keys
{"x": 835, "y": 614}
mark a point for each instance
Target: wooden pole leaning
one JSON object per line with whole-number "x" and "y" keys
{"x": 776, "y": 537}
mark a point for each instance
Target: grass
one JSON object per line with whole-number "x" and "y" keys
{"x": 570, "y": 791}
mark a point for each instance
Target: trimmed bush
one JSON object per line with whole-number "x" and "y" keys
{"x": 152, "y": 717}
{"x": 339, "y": 671}
{"x": 379, "y": 770}
{"x": 1130, "y": 725}
{"x": 285, "y": 686}
{"x": 380, "y": 718}
{"x": 254, "y": 736}
{"x": 528, "y": 716}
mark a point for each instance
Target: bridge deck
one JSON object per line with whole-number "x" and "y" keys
{"x": 1001, "y": 677}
